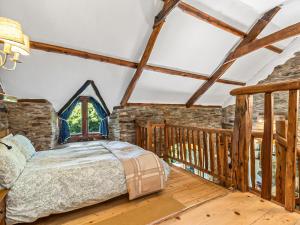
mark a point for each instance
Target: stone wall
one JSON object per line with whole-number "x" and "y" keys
{"x": 37, "y": 120}
{"x": 288, "y": 71}
{"x": 3, "y": 118}
{"x": 122, "y": 119}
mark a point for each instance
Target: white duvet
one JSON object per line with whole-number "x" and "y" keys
{"x": 61, "y": 180}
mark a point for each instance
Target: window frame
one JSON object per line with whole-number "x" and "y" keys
{"x": 85, "y": 135}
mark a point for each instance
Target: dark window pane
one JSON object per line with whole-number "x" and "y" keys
{"x": 93, "y": 119}
{"x": 75, "y": 120}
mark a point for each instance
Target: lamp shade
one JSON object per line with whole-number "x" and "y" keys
{"x": 23, "y": 49}
{"x": 11, "y": 30}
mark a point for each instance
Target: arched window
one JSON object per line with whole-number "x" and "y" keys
{"x": 84, "y": 121}
{"x": 83, "y": 118}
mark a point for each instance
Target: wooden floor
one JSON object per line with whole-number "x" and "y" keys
{"x": 236, "y": 209}
{"x": 186, "y": 188}
{"x": 205, "y": 202}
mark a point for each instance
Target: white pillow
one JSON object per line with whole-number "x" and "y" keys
{"x": 15, "y": 149}
{"x": 25, "y": 146}
{"x": 12, "y": 163}
{"x": 8, "y": 136}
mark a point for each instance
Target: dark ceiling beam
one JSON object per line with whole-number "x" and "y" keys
{"x": 251, "y": 36}
{"x": 120, "y": 62}
{"x": 218, "y": 23}
{"x": 280, "y": 35}
{"x": 169, "y": 6}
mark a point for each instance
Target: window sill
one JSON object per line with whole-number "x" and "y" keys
{"x": 89, "y": 137}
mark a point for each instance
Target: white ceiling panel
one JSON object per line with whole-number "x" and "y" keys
{"x": 161, "y": 88}
{"x": 190, "y": 44}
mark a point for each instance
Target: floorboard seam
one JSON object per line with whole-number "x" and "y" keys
{"x": 187, "y": 209}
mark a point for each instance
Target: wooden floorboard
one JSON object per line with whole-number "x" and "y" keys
{"x": 236, "y": 209}
{"x": 188, "y": 189}
{"x": 205, "y": 202}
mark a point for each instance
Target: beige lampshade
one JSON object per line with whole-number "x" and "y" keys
{"x": 23, "y": 49}
{"x": 11, "y": 30}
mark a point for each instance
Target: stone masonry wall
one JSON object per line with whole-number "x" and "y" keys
{"x": 35, "y": 119}
{"x": 122, "y": 119}
{"x": 3, "y": 118}
{"x": 288, "y": 71}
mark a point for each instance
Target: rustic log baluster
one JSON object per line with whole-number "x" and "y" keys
{"x": 291, "y": 150}
{"x": 211, "y": 154}
{"x": 267, "y": 146}
{"x": 241, "y": 141}
{"x": 252, "y": 163}
{"x": 149, "y": 136}
{"x": 167, "y": 148}
{"x": 281, "y": 130}
{"x": 200, "y": 161}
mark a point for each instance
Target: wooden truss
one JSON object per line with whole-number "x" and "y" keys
{"x": 248, "y": 44}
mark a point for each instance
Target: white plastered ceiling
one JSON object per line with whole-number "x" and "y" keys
{"x": 121, "y": 28}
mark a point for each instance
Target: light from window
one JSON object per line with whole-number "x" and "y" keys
{"x": 75, "y": 120}
{"x": 93, "y": 119}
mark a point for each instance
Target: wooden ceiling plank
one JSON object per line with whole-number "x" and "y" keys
{"x": 218, "y": 23}
{"x": 169, "y": 6}
{"x": 252, "y": 35}
{"x": 120, "y": 62}
{"x": 280, "y": 35}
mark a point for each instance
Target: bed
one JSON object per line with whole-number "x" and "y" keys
{"x": 75, "y": 176}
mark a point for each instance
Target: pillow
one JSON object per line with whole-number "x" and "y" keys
{"x": 25, "y": 146}
{"x": 10, "y": 166}
{"x": 8, "y": 136}
{"x": 15, "y": 149}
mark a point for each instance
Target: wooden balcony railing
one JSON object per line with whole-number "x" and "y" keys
{"x": 284, "y": 140}
{"x": 226, "y": 156}
{"x": 206, "y": 151}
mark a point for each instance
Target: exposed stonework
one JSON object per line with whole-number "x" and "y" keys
{"x": 122, "y": 125}
{"x": 37, "y": 120}
{"x": 228, "y": 114}
{"x": 3, "y": 118}
{"x": 288, "y": 71}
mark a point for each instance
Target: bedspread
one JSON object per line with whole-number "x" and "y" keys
{"x": 57, "y": 181}
{"x": 144, "y": 170}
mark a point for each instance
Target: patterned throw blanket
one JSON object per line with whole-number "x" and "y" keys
{"x": 143, "y": 169}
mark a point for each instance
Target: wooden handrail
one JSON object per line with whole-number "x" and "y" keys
{"x": 267, "y": 88}
{"x": 213, "y": 130}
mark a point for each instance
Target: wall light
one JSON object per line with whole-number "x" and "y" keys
{"x": 15, "y": 43}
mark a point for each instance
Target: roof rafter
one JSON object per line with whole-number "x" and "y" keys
{"x": 218, "y": 23}
{"x": 252, "y": 35}
{"x": 167, "y": 8}
{"x": 121, "y": 62}
{"x": 280, "y": 35}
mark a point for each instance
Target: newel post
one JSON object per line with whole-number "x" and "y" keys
{"x": 241, "y": 141}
